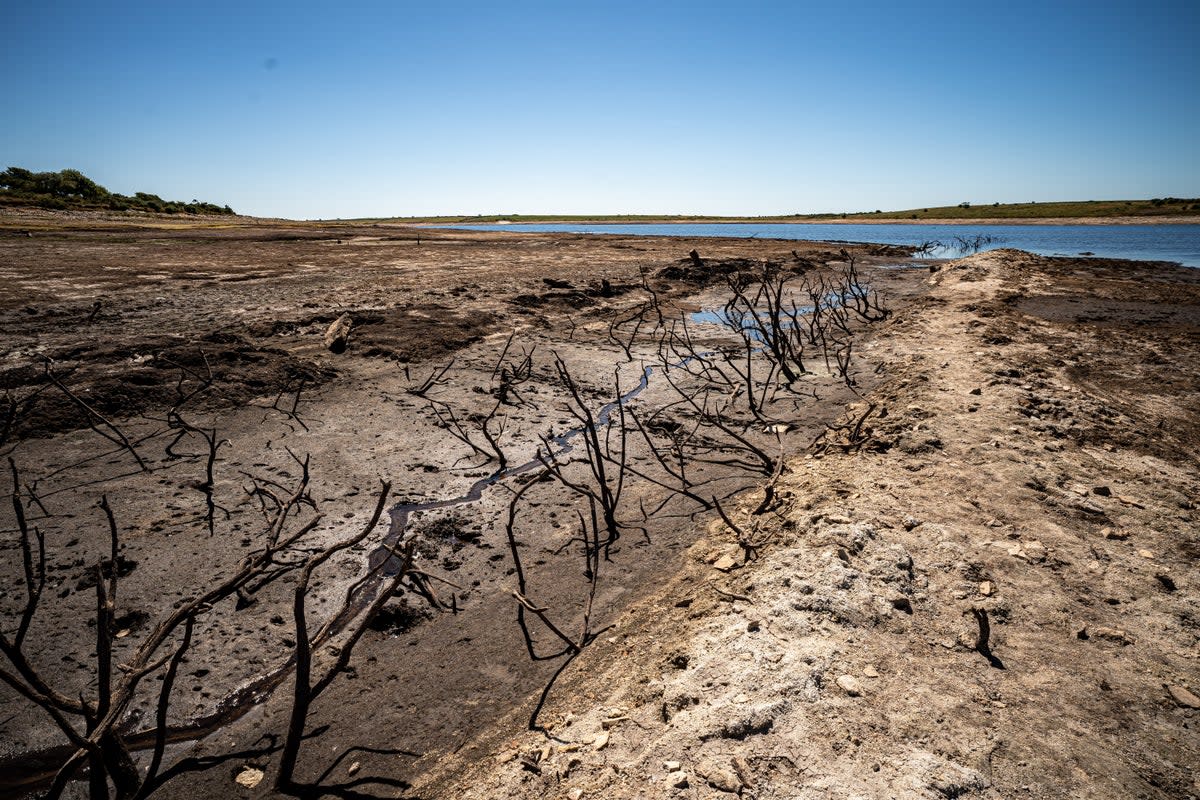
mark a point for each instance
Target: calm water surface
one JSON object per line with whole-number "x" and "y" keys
{"x": 1178, "y": 243}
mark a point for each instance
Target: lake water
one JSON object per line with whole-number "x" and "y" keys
{"x": 1178, "y": 243}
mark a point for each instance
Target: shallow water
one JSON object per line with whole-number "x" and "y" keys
{"x": 1177, "y": 243}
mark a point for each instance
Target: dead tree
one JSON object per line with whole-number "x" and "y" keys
{"x": 436, "y": 377}
{"x": 99, "y": 725}
{"x": 597, "y": 475}
{"x": 311, "y": 680}
{"x": 509, "y": 375}
{"x": 95, "y": 420}
{"x": 484, "y": 431}
{"x": 858, "y": 296}
{"x": 605, "y": 454}
{"x": 765, "y": 318}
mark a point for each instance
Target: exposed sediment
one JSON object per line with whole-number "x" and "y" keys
{"x": 988, "y": 589}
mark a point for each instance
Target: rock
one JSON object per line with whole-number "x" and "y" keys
{"x": 725, "y": 563}
{"x": 338, "y": 334}
{"x": 1146, "y": 553}
{"x": 678, "y": 779}
{"x": 249, "y": 777}
{"x": 672, "y": 766}
{"x": 601, "y": 740}
{"x": 575, "y": 794}
{"x": 719, "y": 778}
{"x": 850, "y": 685}
{"x": 1113, "y": 533}
{"x": 870, "y": 671}
{"x": 353, "y": 768}
{"x": 1036, "y": 551}
{"x": 986, "y": 588}
{"x": 977, "y": 391}
{"x": 1113, "y": 635}
{"x": 1102, "y": 491}
{"x": 911, "y": 522}
{"x": 1182, "y": 696}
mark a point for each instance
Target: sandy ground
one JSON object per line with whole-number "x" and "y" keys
{"x": 1031, "y": 462}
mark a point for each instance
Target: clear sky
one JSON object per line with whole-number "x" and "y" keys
{"x": 304, "y": 109}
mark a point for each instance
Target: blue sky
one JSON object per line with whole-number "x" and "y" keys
{"x": 327, "y": 110}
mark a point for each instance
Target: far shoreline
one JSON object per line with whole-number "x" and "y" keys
{"x": 976, "y": 221}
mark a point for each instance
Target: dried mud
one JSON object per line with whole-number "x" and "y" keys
{"x": 1031, "y": 458}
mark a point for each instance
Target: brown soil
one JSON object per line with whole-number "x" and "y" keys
{"x": 1032, "y": 456}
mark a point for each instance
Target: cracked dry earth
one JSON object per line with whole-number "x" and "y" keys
{"x": 1029, "y": 476}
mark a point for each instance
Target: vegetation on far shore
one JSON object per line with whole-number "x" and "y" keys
{"x": 1158, "y": 207}
{"x": 70, "y": 189}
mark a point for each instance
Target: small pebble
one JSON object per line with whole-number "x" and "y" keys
{"x": 850, "y": 685}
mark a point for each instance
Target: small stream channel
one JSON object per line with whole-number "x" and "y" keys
{"x": 35, "y": 770}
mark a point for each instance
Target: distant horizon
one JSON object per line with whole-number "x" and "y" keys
{"x": 1099, "y": 208}
{"x": 401, "y": 109}
{"x": 670, "y": 214}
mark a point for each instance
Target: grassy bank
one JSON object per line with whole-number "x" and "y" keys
{"x": 1084, "y": 209}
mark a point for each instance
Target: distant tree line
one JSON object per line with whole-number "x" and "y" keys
{"x": 70, "y": 188}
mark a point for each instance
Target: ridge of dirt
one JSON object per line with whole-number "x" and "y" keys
{"x": 1031, "y": 473}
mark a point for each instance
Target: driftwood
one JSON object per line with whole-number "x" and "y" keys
{"x": 338, "y": 334}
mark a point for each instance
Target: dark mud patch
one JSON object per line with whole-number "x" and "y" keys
{"x": 145, "y": 376}
{"x": 410, "y": 335}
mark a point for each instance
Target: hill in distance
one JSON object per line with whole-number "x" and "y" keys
{"x": 71, "y": 189}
